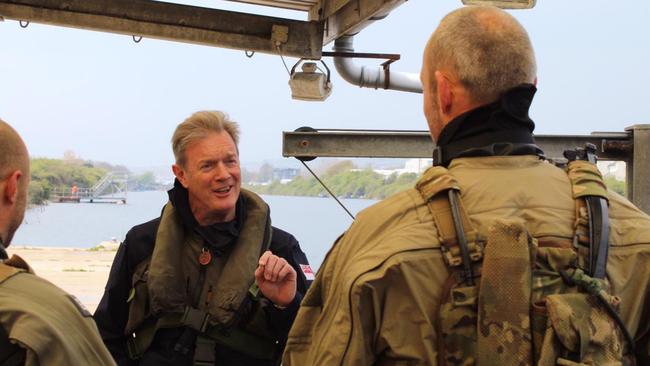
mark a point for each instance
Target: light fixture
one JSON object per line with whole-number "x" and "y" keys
{"x": 310, "y": 84}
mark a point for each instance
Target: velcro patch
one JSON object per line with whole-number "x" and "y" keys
{"x": 307, "y": 271}
{"x": 82, "y": 309}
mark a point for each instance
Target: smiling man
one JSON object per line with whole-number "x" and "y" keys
{"x": 210, "y": 281}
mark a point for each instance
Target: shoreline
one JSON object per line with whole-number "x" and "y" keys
{"x": 80, "y": 271}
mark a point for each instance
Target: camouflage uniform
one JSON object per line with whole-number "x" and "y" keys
{"x": 376, "y": 297}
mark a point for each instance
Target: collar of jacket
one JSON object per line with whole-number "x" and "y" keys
{"x": 219, "y": 237}
{"x": 495, "y": 129}
{"x": 3, "y": 250}
{"x": 166, "y": 279}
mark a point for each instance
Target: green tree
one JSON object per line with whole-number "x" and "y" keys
{"x": 49, "y": 174}
{"x": 615, "y": 185}
{"x": 343, "y": 182}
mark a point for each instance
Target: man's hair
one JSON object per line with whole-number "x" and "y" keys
{"x": 486, "y": 48}
{"x": 14, "y": 154}
{"x": 198, "y": 126}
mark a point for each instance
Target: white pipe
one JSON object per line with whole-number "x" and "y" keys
{"x": 371, "y": 77}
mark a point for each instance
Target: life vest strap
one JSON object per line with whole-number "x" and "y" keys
{"x": 236, "y": 338}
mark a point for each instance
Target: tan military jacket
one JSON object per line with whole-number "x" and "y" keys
{"x": 376, "y": 295}
{"x": 50, "y": 324}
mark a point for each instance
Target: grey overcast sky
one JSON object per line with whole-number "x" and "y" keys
{"x": 107, "y": 98}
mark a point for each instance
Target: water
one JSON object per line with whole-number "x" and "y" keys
{"x": 315, "y": 222}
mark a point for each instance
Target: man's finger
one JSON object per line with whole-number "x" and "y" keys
{"x": 271, "y": 262}
{"x": 264, "y": 258}
{"x": 278, "y": 267}
{"x": 285, "y": 272}
{"x": 259, "y": 274}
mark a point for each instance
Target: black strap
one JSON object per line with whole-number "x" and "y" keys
{"x": 597, "y": 208}
{"x": 598, "y": 236}
{"x": 186, "y": 342}
{"x": 460, "y": 235}
{"x": 197, "y": 323}
{"x": 10, "y": 353}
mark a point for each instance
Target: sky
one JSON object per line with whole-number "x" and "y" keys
{"x": 109, "y": 99}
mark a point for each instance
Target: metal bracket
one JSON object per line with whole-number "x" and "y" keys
{"x": 279, "y": 34}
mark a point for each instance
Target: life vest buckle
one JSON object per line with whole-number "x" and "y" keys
{"x": 196, "y": 319}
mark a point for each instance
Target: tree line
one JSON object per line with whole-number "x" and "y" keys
{"x": 344, "y": 180}
{"x": 49, "y": 175}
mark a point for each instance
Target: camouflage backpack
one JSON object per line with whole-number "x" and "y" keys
{"x": 513, "y": 300}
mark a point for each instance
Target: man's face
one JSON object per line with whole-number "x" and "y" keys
{"x": 212, "y": 176}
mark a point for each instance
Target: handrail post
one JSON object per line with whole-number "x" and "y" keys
{"x": 638, "y": 170}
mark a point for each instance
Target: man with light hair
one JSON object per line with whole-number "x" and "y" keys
{"x": 40, "y": 324}
{"x": 496, "y": 257}
{"x": 209, "y": 282}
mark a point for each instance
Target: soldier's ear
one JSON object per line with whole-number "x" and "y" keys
{"x": 445, "y": 93}
{"x": 179, "y": 172}
{"x": 11, "y": 184}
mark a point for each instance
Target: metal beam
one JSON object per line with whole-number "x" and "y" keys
{"x": 348, "y": 17}
{"x": 175, "y": 22}
{"x": 638, "y": 170}
{"x": 632, "y": 146}
{"x": 418, "y": 144}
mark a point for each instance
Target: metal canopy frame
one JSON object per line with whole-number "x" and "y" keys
{"x": 631, "y": 146}
{"x": 326, "y": 21}
{"x": 169, "y": 21}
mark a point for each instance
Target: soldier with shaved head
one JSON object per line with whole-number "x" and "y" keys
{"x": 496, "y": 256}
{"x": 40, "y": 324}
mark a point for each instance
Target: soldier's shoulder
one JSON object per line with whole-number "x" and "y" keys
{"x": 7, "y": 271}
{"x": 42, "y": 317}
{"x": 629, "y": 226}
{"x": 403, "y": 217}
{"x": 392, "y": 207}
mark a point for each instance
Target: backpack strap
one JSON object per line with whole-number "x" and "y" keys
{"x": 592, "y": 217}
{"x": 458, "y": 239}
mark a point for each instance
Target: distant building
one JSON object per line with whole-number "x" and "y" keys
{"x": 285, "y": 175}
{"x": 614, "y": 169}
{"x": 416, "y": 166}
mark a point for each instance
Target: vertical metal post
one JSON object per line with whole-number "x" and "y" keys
{"x": 640, "y": 177}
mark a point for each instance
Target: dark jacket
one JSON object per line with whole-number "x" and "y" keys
{"x": 112, "y": 312}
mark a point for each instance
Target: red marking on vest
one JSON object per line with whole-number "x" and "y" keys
{"x": 306, "y": 270}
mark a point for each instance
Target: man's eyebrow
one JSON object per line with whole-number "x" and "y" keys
{"x": 208, "y": 161}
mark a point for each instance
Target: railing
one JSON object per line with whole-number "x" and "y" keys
{"x": 112, "y": 188}
{"x": 631, "y": 146}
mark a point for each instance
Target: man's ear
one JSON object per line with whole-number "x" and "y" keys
{"x": 179, "y": 172}
{"x": 445, "y": 94}
{"x": 11, "y": 186}
{"x": 535, "y": 81}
